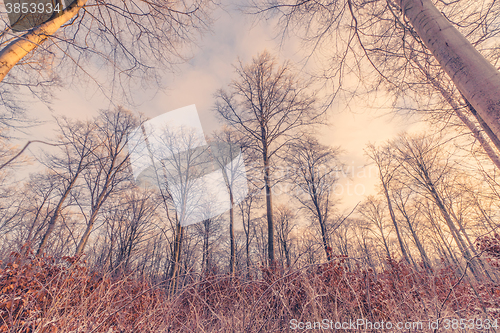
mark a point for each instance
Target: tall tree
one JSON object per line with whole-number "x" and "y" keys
{"x": 285, "y": 223}
{"x": 78, "y": 144}
{"x": 180, "y": 158}
{"x": 269, "y": 105}
{"x": 246, "y": 208}
{"x": 130, "y": 36}
{"x": 384, "y": 160}
{"x": 373, "y": 210}
{"x": 315, "y": 173}
{"x": 392, "y": 35}
{"x": 106, "y": 173}
{"x": 229, "y": 158}
{"x": 423, "y": 160}
{"x": 475, "y": 77}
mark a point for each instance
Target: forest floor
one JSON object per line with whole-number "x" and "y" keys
{"x": 41, "y": 294}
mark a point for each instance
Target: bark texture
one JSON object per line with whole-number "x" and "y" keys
{"x": 21, "y": 46}
{"x": 476, "y": 78}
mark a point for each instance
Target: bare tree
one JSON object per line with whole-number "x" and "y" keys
{"x": 179, "y": 160}
{"x": 132, "y": 37}
{"x": 398, "y": 39}
{"x": 373, "y": 210}
{"x": 284, "y": 226}
{"x": 423, "y": 161}
{"x": 130, "y": 223}
{"x": 269, "y": 106}
{"x": 387, "y": 167}
{"x": 106, "y": 173}
{"x": 411, "y": 214}
{"x": 78, "y": 143}
{"x": 315, "y": 173}
{"x": 229, "y": 158}
{"x": 247, "y": 207}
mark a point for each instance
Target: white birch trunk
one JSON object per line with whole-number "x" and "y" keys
{"x": 476, "y": 78}
{"x": 24, "y": 44}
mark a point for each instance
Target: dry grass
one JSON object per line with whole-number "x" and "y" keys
{"x": 42, "y": 295}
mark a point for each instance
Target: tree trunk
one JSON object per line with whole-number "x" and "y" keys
{"x": 287, "y": 253}
{"x": 454, "y": 232}
{"x": 326, "y": 246}
{"x": 476, "y": 132}
{"x": 35, "y": 220}
{"x": 386, "y": 245}
{"x": 476, "y": 78}
{"x": 204, "y": 262}
{"x": 394, "y": 221}
{"x": 174, "y": 272}
{"x": 321, "y": 220}
{"x": 93, "y": 216}
{"x": 22, "y": 45}
{"x": 423, "y": 255}
{"x": 232, "y": 260}
{"x": 269, "y": 204}
{"x": 247, "y": 245}
{"x": 86, "y": 234}
{"x": 55, "y": 216}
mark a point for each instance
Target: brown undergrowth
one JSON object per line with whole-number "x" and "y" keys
{"x": 41, "y": 294}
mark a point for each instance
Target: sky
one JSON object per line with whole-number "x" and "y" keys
{"x": 236, "y": 35}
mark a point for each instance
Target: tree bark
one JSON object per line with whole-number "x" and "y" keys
{"x": 232, "y": 260}
{"x": 56, "y": 214}
{"x": 476, "y": 78}
{"x": 204, "y": 263}
{"x": 22, "y": 45}
{"x": 269, "y": 203}
{"x": 246, "y": 229}
{"x": 174, "y": 272}
{"x": 88, "y": 230}
{"x": 476, "y": 132}
{"x": 321, "y": 219}
{"x": 423, "y": 255}
{"x": 393, "y": 219}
